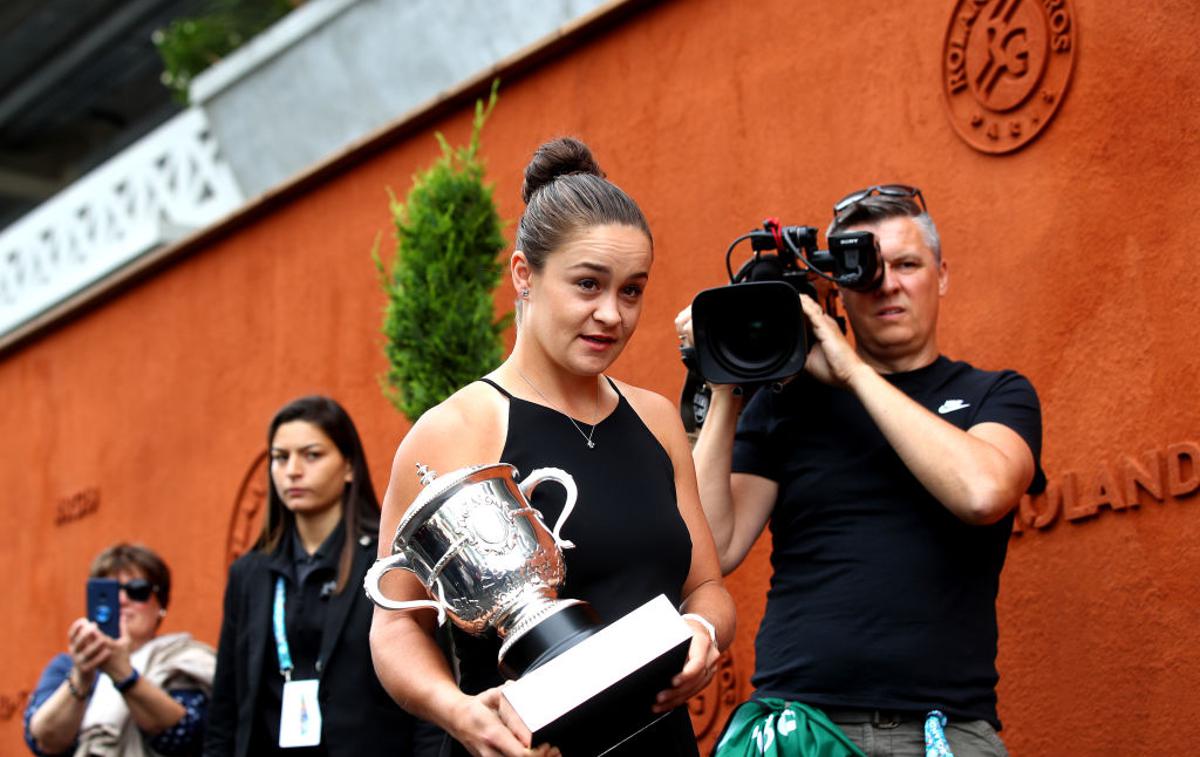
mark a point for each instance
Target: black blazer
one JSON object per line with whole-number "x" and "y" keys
{"x": 359, "y": 718}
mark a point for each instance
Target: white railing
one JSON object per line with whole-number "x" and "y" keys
{"x": 171, "y": 182}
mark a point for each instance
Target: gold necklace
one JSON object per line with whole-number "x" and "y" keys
{"x": 595, "y": 409}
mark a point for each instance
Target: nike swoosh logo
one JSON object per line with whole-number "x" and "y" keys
{"x": 949, "y": 406}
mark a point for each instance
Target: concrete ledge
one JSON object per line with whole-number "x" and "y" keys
{"x": 294, "y": 26}
{"x": 589, "y": 25}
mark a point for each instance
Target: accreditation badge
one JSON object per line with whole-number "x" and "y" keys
{"x": 300, "y": 716}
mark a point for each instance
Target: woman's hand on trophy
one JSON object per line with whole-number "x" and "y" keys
{"x": 487, "y": 725}
{"x": 699, "y": 669}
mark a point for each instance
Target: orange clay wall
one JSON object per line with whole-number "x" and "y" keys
{"x": 1071, "y": 259}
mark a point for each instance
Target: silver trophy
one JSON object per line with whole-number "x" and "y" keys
{"x": 489, "y": 561}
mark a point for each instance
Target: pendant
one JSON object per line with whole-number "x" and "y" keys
{"x": 591, "y": 444}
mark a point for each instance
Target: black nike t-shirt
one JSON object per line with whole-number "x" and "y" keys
{"x": 880, "y": 597}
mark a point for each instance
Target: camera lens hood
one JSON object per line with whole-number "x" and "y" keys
{"x": 749, "y": 333}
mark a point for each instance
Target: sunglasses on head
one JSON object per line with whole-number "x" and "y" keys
{"x": 139, "y": 589}
{"x": 887, "y": 190}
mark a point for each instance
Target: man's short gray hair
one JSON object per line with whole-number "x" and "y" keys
{"x": 877, "y": 208}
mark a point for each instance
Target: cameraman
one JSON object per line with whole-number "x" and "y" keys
{"x": 889, "y": 474}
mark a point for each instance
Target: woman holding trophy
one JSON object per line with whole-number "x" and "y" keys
{"x": 581, "y": 265}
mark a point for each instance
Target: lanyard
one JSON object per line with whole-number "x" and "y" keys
{"x": 281, "y": 642}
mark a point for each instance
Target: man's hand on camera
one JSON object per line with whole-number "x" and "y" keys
{"x": 683, "y": 326}
{"x": 683, "y": 329}
{"x": 831, "y": 360}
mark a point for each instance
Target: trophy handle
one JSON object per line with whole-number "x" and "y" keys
{"x": 399, "y": 561}
{"x": 562, "y": 477}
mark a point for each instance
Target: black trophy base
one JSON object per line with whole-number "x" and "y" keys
{"x": 599, "y": 693}
{"x": 549, "y": 638}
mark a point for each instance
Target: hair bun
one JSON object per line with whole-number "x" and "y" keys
{"x": 558, "y": 157}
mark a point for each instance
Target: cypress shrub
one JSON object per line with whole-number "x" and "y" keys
{"x": 439, "y": 327}
{"x": 191, "y": 44}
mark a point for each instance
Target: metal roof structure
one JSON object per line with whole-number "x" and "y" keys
{"x": 79, "y": 81}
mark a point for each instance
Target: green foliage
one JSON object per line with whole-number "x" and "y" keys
{"x": 439, "y": 325}
{"x": 187, "y": 46}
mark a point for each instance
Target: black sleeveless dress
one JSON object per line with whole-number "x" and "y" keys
{"x": 631, "y": 543}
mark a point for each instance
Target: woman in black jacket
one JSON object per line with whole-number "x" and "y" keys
{"x": 294, "y": 674}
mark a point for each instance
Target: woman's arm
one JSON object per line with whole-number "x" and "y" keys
{"x": 704, "y": 591}
{"x": 461, "y": 431}
{"x": 47, "y": 716}
{"x": 413, "y": 671}
{"x": 182, "y": 737}
{"x": 152, "y": 709}
{"x": 54, "y": 727}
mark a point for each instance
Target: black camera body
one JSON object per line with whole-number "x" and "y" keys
{"x": 752, "y": 331}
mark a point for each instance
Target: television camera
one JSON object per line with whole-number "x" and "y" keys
{"x": 752, "y": 331}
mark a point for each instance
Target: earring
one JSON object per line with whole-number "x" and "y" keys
{"x": 162, "y": 613}
{"x": 525, "y": 293}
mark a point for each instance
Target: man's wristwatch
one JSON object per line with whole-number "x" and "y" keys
{"x": 127, "y": 683}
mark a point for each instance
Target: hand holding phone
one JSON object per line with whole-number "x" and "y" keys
{"x": 104, "y": 605}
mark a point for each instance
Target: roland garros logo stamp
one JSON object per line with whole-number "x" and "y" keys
{"x": 249, "y": 510}
{"x": 1005, "y": 69}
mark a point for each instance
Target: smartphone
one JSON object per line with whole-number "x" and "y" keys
{"x": 104, "y": 604}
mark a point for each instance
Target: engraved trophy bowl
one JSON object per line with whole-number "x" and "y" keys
{"x": 488, "y": 561}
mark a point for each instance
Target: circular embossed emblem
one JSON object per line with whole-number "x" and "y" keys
{"x": 1005, "y": 69}
{"x": 488, "y": 523}
{"x": 249, "y": 508}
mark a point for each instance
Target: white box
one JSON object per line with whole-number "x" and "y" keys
{"x": 599, "y": 692}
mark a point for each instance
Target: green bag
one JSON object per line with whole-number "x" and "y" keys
{"x": 777, "y": 728}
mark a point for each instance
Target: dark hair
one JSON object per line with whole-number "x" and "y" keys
{"x": 360, "y": 506}
{"x": 135, "y": 558}
{"x": 565, "y": 191}
{"x": 878, "y": 208}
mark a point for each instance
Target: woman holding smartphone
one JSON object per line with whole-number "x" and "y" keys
{"x": 294, "y": 673}
{"x": 138, "y": 693}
